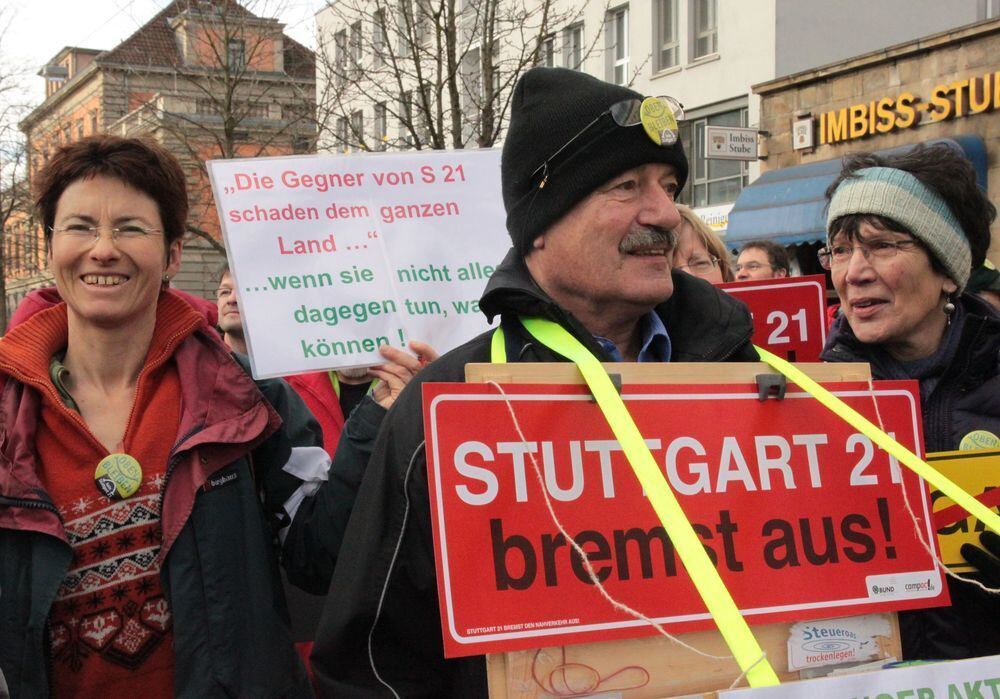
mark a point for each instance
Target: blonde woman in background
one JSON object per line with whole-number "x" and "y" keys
{"x": 699, "y": 250}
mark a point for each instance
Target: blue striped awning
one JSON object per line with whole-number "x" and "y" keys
{"x": 789, "y": 206}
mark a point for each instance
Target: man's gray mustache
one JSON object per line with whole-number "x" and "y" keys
{"x": 647, "y": 238}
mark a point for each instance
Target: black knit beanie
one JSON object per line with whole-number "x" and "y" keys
{"x": 549, "y": 107}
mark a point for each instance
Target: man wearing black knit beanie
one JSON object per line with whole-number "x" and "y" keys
{"x": 590, "y": 172}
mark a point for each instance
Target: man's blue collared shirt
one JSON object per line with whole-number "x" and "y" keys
{"x": 655, "y": 342}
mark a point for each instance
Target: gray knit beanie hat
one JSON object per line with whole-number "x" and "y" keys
{"x": 896, "y": 194}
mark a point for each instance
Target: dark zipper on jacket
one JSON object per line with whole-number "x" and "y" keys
{"x": 175, "y": 457}
{"x": 30, "y": 503}
{"x": 47, "y": 640}
{"x": 729, "y": 353}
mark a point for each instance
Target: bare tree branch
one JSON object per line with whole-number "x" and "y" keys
{"x": 16, "y": 222}
{"x": 233, "y": 95}
{"x": 442, "y": 74}
{"x": 207, "y": 237}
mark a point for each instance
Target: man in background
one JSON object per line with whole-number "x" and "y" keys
{"x": 331, "y": 397}
{"x": 762, "y": 259}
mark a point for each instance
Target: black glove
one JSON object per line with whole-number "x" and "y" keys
{"x": 986, "y": 559}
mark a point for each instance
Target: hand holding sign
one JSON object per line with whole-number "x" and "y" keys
{"x": 985, "y": 559}
{"x": 401, "y": 367}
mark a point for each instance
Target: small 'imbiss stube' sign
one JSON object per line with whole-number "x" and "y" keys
{"x": 801, "y": 515}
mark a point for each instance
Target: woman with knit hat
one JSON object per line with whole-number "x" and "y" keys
{"x": 903, "y": 234}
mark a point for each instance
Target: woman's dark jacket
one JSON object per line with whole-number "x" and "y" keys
{"x": 219, "y": 554}
{"x": 960, "y": 392}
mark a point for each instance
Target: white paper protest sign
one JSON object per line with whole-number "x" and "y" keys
{"x": 957, "y": 679}
{"x": 333, "y": 256}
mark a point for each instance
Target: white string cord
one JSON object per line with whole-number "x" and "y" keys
{"x": 620, "y": 606}
{"x": 938, "y": 563}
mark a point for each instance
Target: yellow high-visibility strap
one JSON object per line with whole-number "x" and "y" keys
{"x": 498, "y": 350}
{"x": 884, "y": 441}
{"x": 733, "y": 627}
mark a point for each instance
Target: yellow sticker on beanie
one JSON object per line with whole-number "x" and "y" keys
{"x": 979, "y": 439}
{"x": 658, "y": 121}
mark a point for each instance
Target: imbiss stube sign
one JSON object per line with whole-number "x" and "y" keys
{"x": 730, "y": 143}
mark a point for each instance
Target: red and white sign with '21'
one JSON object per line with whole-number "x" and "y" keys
{"x": 789, "y": 315}
{"x": 802, "y": 516}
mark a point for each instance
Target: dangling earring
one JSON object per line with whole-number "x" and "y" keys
{"x": 949, "y": 310}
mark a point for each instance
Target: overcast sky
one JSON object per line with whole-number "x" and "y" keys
{"x": 38, "y": 29}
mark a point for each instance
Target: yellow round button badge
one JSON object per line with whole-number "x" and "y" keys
{"x": 118, "y": 476}
{"x": 979, "y": 439}
{"x": 658, "y": 121}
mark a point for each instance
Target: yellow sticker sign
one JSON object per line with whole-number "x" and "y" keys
{"x": 978, "y": 473}
{"x": 979, "y": 439}
{"x": 118, "y": 476}
{"x": 658, "y": 121}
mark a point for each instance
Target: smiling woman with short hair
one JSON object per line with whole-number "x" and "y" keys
{"x": 135, "y": 554}
{"x": 903, "y": 233}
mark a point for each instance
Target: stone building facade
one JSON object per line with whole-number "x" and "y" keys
{"x": 205, "y": 80}
{"x": 946, "y": 85}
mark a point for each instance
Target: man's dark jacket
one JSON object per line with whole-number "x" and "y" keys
{"x": 381, "y": 634}
{"x": 965, "y": 397}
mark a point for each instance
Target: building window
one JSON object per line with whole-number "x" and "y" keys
{"x": 573, "y": 46}
{"x": 340, "y": 56}
{"x": 379, "y": 38}
{"x": 342, "y": 127}
{"x": 79, "y": 128}
{"x": 357, "y": 127}
{"x": 425, "y": 113}
{"x": 414, "y": 21}
{"x": 547, "y": 52}
{"x": 381, "y": 132}
{"x": 666, "y": 47}
{"x": 205, "y": 106}
{"x": 406, "y": 117}
{"x": 712, "y": 182}
{"x": 357, "y": 52}
{"x": 93, "y": 123}
{"x": 255, "y": 110}
{"x": 616, "y": 45}
{"x": 402, "y": 28}
{"x": 705, "y": 25}
{"x": 424, "y": 21}
{"x": 471, "y": 96}
{"x": 236, "y": 52}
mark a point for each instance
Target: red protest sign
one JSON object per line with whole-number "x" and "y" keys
{"x": 802, "y": 516}
{"x": 789, "y": 314}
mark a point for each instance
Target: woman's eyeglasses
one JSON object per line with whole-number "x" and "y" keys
{"x": 659, "y": 116}
{"x": 750, "y": 266}
{"x": 84, "y": 233}
{"x": 700, "y": 267}
{"x": 839, "y": 255}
